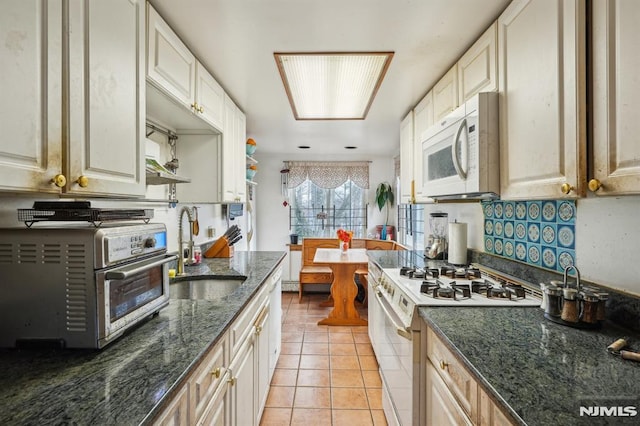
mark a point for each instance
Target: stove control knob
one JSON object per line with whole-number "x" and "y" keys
{"x": 150, "y": 243}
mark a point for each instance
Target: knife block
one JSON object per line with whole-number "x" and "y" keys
{"x": 220, "y": 248}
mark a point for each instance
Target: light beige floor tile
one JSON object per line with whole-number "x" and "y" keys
{"x": 314, "y": 362}
{"x": 346, "y": 378}
{"x": 316, "y": 337}
{"x": 364, "y": 349}
{"x": 352, "y": 418}
{"x": 378, "y": 418}
{"x": 288, "y": 361}
{"x": 342, "y": 349}
{"x": 360, "y": 329}
{"x": 368, "y": 363}
{"x": 337, "y": 329}
{"x": 349, "y": 398}
{"x": 344, "y": 362}
{"x": 292, "y": 336}
{"x": 284, "y": 377}
{"x": 371, "y": 379}
{"x": 315, "y": 349}
{"x": 311, "y": 417}
{"x": 280, "y": 396}
{"x": 275, "y": 416}
{"x": 312, "y": 397}
{"x": 361, "y": 338}
{"x": 374, "y": 396}
{"x": 340, "y": 337}
{"x": 291, "y": 348}
{"x": 314, "y": 378}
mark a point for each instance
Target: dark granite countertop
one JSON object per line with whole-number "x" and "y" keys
{"x": 540, "y": 371}
{"x": 127, "y": 382}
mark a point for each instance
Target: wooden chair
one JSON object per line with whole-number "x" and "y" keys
{"x": 312, "y": 274}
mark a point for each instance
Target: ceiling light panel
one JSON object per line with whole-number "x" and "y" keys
{"x": 332, "y": 86}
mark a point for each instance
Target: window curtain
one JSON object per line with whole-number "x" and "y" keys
{"x": 328, "y": 174}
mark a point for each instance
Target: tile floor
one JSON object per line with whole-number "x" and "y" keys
{"x": 325, "y": 375}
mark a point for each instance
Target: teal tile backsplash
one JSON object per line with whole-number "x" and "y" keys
{"x": 540, "y": 233}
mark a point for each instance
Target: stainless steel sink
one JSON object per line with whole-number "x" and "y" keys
{"x": 208, "y": 289}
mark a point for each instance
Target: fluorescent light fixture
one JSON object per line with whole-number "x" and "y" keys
{"x": 332, "y": 86}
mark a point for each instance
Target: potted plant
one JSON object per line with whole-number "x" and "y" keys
{"x": 384, "y": 197}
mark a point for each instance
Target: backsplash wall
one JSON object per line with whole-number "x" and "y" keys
{"x": 540, "y": 233}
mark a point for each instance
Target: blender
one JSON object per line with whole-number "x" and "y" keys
{"x": 437, "y": 242}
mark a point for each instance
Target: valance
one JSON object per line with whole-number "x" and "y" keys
{"x": 328, "y": 174}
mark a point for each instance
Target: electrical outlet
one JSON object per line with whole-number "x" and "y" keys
{"x": 211, "y": 232}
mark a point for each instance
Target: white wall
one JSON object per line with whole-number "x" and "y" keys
{"x": 273, "y": 218}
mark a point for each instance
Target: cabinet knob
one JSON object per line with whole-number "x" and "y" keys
{"x": 594, "y": 185}
{"x": 443, "y": 365}
{"x": 59, "y": 181}
{"x": 216, "y": 372}
{"x": 232, "y": 381}
{"x": 201, "y": 109}
{"x": 566, "y": 188}
{"x": 258, "y": 330}
{"x": 83, "y": 181}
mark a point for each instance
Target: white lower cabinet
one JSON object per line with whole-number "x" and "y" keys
{"x": 452, "y": 395}
{"x": 231, "y": 384}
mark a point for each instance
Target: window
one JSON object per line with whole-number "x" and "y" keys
{"x": 319, "y": 212}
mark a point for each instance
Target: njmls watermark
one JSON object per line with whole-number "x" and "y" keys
{"x": 608, "y": 411}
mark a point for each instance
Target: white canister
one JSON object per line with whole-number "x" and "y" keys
{"x": 458, "y": 243}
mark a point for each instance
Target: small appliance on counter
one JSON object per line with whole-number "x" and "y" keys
{"x": 437, "y": 242}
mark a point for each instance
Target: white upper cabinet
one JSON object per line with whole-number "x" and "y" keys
{"x": 541, "y": 76}
{"x": 406, "y": 160}
{"x": 105, "y": 142}
{"x": 98, "y": 151}
{"x": 233, "y": 154}
{"x": 171, "y": 65}
{"x": 616, "y": 97}
{"x": 422, "y": 120}
{"x": 209, "y": 97}
{"x": 445, "y": 94}
{"x": 477, "y": 67}
{"x": 30, "y": 115}
{"x": 174, "y": 71}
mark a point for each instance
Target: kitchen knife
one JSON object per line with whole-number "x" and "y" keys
{"x": 235, "y": 240}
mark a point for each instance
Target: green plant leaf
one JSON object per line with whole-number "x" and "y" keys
{"x": 384, "y": 195}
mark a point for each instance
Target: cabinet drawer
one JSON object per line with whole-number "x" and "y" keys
{"x": 490, "y": 414}
{"x": 454, "y": 374}
{"x": 177, "y": 412}
{"x": 209, "y": 375}
{"x": 244, "y": 325}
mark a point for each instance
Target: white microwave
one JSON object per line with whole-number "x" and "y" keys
{"x": 460, "y": 153}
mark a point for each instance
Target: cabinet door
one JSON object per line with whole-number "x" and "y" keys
{"x": 442, "y": 408}
{"x": 616, "y": 103}
{"x": 229, "y": 150}
{"x": 541, "y": 75}
{"x": 177, "y": 412}
{"x": 243, "y": 405}
{"x": 406, "y": 158}
{"x": 490, "y": 414}
{"x": 263, "y": 335}
{"x": 30, "y": 114}
{"x": 170, "y": 64}
{"x": 239, "y": 162}
{"x": 209, "y": 97}
{"x": 422, "y": 120}
{"x": 445, "y": 94}
{"x": 210, "y": 376}
{"x": 104, "y": 144}
{"x": 217, "y": 412}
{"x": 477, "y": 67}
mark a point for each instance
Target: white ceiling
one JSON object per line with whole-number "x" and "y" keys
{"x": 236, "y": 39}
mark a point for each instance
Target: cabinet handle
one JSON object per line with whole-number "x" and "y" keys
{"x": 83, "y": 181}
{"x": 59, "y": 181}
{"x": 594, "y": 185}
{"x": 216, "y": 372}
{"x": 566, "y": 188}
{"x": 232, "y": 380}
{"x": 443, "y": 365}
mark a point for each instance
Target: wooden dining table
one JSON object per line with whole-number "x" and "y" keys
{"x": 343, "y": 288}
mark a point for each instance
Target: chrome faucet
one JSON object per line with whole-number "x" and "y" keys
{"x": 190, "y": 258}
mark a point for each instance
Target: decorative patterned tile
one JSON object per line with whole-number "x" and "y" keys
{"x": 541, "y": 233}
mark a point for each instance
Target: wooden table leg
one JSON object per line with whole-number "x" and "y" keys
{"x": 343, "y": 293}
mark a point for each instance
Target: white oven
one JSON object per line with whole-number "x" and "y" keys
{"x": 460, "y": 153}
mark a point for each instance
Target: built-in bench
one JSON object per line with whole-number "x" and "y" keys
{"x": 311, "y": 274}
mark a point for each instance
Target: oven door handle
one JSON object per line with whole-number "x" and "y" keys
{"x": 124, "y": 273}
{"x": 403, "y": 332}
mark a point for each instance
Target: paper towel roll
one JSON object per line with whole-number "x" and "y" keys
{"x": 458, "y": 243}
